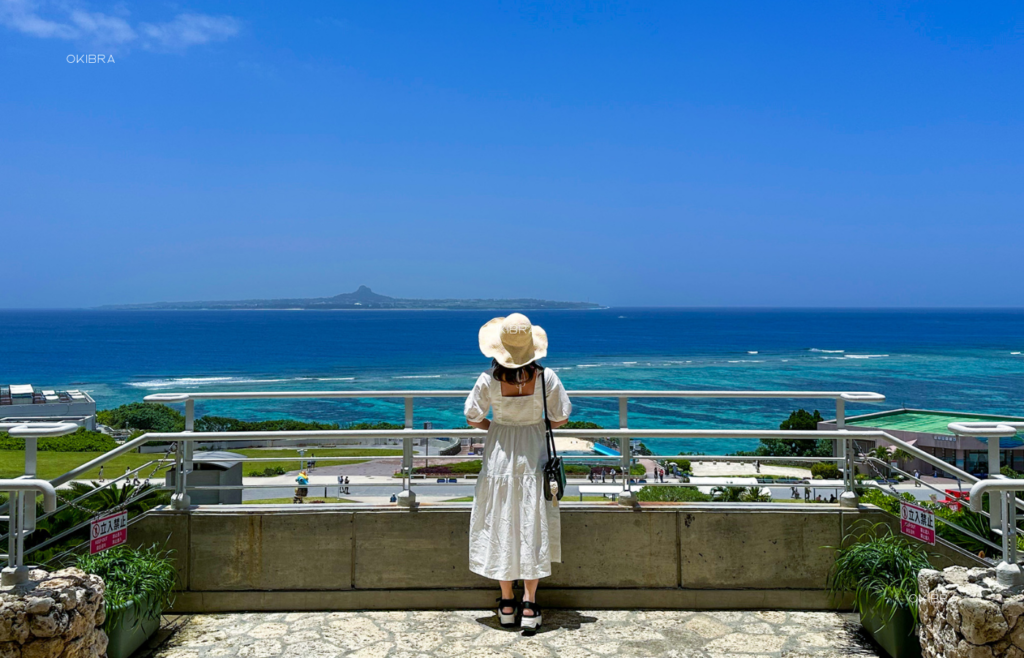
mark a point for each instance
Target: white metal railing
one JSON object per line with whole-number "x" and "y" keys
{"x": 183, "y": 454}
{"x": 407, "y": 498}
{"x": 1008, "y": 572}
{"x": 22, "y": 523}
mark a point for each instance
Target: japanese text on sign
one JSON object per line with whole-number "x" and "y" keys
{"x": 108, "y": 532}
{"x": 917, "y": 522}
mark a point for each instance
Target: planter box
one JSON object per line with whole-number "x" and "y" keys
{"x": 894, "y": 630}
{"x": 131, "y": 633}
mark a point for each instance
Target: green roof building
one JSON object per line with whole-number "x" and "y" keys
{"x": 929, "y": 431}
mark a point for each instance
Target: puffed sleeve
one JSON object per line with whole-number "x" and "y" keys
{"x": 559, "y": 406}
{"x": 479, "y": 401}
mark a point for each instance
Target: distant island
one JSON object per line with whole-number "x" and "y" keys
{"x": 363, "y": 298}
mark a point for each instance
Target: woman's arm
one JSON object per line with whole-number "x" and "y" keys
{"x": 555, "y": 424}
{"x": 481, "y": 425}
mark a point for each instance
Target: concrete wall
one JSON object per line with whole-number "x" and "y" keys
{"x": 335, "y": 557}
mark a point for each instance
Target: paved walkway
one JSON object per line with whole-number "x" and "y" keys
{"x": 476, "y": 634}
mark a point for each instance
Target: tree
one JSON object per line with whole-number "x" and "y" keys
{"x": 798, "y": 420}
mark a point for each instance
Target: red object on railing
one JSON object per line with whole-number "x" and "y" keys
{"x": 954, "y": 498}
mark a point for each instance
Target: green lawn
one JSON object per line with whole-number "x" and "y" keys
{"x": 53, "y": 464}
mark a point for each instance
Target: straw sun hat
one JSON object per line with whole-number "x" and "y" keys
{"x": 513, "y": 341}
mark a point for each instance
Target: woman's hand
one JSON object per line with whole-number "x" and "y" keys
{"x": 482, "y": 425}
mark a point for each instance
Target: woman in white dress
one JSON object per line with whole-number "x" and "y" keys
{"x": 515, "y": 532}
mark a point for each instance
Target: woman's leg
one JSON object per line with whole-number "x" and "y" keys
{"x": 530, "y": 594}
{"x": 507, "y": 593}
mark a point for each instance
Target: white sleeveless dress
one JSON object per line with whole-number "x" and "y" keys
{"x": 514, "y": 533}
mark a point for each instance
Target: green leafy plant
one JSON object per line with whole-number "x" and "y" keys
{"x": 728, "y": 494}
{"x": 268, "y": 472}
{"x": 827, "y": 471}
{"x": 142, "y": 578}
{"x": 879, "y": 567}
{"x": 684, "y": 465}
{"x": 80, "y": 441}
{"x": 672, "y": 495}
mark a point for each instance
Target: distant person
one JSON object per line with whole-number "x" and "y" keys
{"x": 757, "y": 466}
{"x": 302, "y": 490}
{"x": 614, "y": 473}
{"x": 394, "y": 498}
{"x": 832, "y": 498}
{"x": 101, "y": 474}
{"x": 917, "y": 476}
{"x": 514, "y": 530}
{"x": 346, "y": 484}
{"x": 604, "y": 476}
{"x": 341, "y": 485}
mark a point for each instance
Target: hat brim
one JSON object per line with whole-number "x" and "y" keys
{"x": 492, "y": 347}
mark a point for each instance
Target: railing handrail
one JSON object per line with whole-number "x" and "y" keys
{"x": 850, "y": 396}
{"x": 26, "y": 484}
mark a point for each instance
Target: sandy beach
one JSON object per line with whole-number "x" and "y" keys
{"x": 567, "y": 443}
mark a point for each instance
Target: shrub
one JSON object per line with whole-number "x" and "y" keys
{"x": 672, "y": 495}
{"x": 827, "y": 471}
{"x": 683, "y": 464}
{"x": 581, "y": 425}
{"x": 80, "y": 441}
{"x": 268, "y": 472}
{"x": 879, "y": 567}
{"x": 143, "y": 416}
{"x": 456, "y": 468}
{"x": 141, "y": 578}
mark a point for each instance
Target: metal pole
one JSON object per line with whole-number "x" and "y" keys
{"x": 846, "y": 449}
{"x": 406, "y": 497}
{"x": 626, "y": 498}
{"x": 31, "y": 447}
{"x": 995, "y": 511}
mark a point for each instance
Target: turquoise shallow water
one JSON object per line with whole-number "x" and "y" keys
{"x": 957, "y": 360}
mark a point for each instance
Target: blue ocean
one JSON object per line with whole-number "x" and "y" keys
{"x": 938, "y": 359}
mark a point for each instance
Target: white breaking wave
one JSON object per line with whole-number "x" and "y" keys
{"x": 751, "y": 351}
{"x": 747, "y": 361}
{"x": 864, "y": 356}
{"x": 589, "y": 365}
{"x": 335, "y": 379}
{"x": 629, "y": 363}
{"x": 1017, "y": 353}
{"x": 417, "y": 377}
{"x": 815, "y": 349}
{"x": 195, "y": 382}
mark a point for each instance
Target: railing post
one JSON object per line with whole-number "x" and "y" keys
{"x": 1008, "y": 572}
{"x": 183, "y": 461}
{"x": 627, "y": 497}
{"x": 406, "y": 497}
{"x": 846, "y": 449}
{"x": 995, "y": 511}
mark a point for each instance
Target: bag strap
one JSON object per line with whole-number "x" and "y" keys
{"x": 550, "y": 436}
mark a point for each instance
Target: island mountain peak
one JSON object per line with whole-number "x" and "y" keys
{"x": 363, "y": 298}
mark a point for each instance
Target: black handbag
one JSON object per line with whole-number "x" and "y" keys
{"x": 554, "y": 469}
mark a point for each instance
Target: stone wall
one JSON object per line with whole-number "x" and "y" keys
{"x": 966, "y": 614}
{"x": 334, "y": 557}
{"x": 55, "y": 615}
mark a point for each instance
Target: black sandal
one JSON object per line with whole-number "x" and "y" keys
{"x": 530, "y": 623}
{"x": 507, "y": 620}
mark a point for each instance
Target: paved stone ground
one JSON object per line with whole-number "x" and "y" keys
{"x": 566, "y": 634}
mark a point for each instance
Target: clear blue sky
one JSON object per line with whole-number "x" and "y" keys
{"x": 656, "y": 153}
